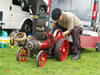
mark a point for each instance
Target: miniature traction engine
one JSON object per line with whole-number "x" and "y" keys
{"x": 44, "y": 45}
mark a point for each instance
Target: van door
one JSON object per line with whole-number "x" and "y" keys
{"x": 17, "y": 14}
{"x": 5, "y": 7}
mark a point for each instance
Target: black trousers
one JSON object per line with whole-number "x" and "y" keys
{"x": 76, "y": 31}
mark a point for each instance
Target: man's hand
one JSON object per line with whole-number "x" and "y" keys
{"x": 66, "y": 33}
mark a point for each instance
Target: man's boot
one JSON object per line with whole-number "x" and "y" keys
{"x": 76, "y": 57}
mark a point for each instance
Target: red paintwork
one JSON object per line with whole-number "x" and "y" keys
{"x": 47, "y": 43}
{"x": 94, "y": 16}
{"x": 89, "y": 41}
{"x": 49, "y": 6}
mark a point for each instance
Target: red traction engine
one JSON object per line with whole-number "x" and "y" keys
{"x": 43, "y": 46}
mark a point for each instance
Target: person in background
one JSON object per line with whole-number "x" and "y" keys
{"x": 70, "y": 24}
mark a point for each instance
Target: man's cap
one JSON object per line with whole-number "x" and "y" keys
{"x": 56, "y": 13}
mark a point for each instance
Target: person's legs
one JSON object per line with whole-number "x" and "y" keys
{"x": 76, "y": 42}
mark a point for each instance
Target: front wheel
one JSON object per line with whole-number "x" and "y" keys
{"x": 41, "y": 58}
{"x": 22, "y": 54}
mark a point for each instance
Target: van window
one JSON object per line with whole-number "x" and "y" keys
{"x": 83, "y": 9}
{"x": 17, "y": 2}
{"x": 43, "y": 9}
{"x": 64, "y": 5}
{"x": 22, "y": 3}
{"x": 81, "y": 5}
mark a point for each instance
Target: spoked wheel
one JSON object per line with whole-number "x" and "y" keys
{"x": 41, "y": 58}
{"x": 62, "y": 49}
{"x": 22, "y": 54}
{"x": 57, "y": 34}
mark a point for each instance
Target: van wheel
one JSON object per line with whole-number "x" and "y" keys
{"x": 27, "y": 27}
{"x": 98, "y": 49}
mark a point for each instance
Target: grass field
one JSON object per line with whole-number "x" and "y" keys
{"x": 89, "y": 64}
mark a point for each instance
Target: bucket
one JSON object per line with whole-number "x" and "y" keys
{"x": 4, "y": 42}
{"x": 4, "y": 34}
{"x": 20, "y": 38}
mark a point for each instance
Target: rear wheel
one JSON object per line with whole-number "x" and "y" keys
{"x": 27, "y": 27}
{"x": 62, "y": 49}
{"x": 58, "y": 34}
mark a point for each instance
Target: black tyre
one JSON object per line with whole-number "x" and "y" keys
{"x": 62, "y": 49}
{"x": 41, "y": 58}
{"x": 27, "y": 27}
{"x": 98, "y": 49}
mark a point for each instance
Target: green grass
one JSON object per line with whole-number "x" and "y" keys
{"x": 89, "y": 64}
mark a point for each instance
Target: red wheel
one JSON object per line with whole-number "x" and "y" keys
{"x": 22, "y": 54}
{"x": 57, "y": 34}
{"x": 41, "y": 58}
{"x": 62, "y": 49}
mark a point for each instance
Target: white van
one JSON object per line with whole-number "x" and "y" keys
{"x": 14, "y": 17}
{"x": 87, "y": 10}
